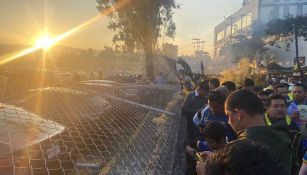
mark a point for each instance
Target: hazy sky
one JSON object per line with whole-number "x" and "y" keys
{"x": 21, "y": 21}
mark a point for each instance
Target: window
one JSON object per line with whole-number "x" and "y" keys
{"x": 228, "y": 32}
{"x": 286, "y": 11}
{"x": 236, "y": 26}
{"x": 305, "y": 10}
{"x": 220, "y": 35}
{"x": 300, "y": 10}
{"x": 266, "y": 13}
{"x": 249, "y": 19}
{"x": 281, "y": 12}
{"x": 292, "y": 10}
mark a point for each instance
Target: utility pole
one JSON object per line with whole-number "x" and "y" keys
{"x": 199, "y": 45}
{"x": 231, "y": 18}
{"x": 296, "y": 42}
{"x": 199, "y": 51}
{"x": 195, "y": 42}
{"x": 297, "y": 51}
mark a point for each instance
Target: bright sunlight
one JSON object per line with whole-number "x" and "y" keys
{"x": 44, "y": 42}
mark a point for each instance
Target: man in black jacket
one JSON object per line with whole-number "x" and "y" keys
{"x": 193, "y": 103}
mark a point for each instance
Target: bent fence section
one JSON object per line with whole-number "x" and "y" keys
{"x": 90, "y": 129}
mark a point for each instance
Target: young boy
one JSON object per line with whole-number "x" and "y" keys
{"x": 214, "y": 137}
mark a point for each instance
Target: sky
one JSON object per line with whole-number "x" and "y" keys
{"x": 23, "y": 21}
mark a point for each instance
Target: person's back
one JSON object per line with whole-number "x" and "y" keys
{"x": 242, "y": 157}
{"x": 276, "y": 138}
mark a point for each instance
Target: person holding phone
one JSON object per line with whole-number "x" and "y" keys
{"x": 298, "y": 108}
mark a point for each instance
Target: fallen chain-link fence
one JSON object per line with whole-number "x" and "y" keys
{"x": 90, "y": 128}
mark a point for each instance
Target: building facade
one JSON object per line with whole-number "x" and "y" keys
{"x": 241, "y": 21}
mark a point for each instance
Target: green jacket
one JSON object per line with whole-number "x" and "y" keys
{"x": 277, "y": 138}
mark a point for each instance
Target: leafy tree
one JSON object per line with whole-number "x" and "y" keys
{"x": 285, "y": 28}
{"x": 245, "y": 47}
{"x": 141, "y": 23}
{"x": 251, "y": 46}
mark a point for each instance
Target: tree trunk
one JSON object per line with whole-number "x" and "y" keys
{"x": 148, "y": 49}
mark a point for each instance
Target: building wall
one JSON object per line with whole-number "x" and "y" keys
{"x": 238, "y": 22}
{"x": 265, "y": 10}
{"x": 279, "y": 9}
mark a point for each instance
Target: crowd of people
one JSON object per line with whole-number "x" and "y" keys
{"x": 245, "y": 129}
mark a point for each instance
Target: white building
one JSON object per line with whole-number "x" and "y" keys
{"x": 264, "y": 10}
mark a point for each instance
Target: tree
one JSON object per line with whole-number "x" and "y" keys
{"x": 285, "y": 30}
{"x": 251, "y": 45}
{"x": 245, "y": 47}
{"x": 141, "y": 23}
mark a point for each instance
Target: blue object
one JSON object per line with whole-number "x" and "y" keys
{"x": 203, "y": 146}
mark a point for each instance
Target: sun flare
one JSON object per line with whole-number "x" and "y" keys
{"x": 44, "y": 42}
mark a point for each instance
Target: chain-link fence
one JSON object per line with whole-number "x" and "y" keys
{"x": 90, "y": 128}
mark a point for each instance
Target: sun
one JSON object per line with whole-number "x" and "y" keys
{"x": 44, "y": 42}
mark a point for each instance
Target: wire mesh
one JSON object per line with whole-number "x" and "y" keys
{"x": 91, "y": 128}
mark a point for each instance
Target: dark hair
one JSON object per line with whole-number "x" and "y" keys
{"x": 215, "y": 82}
{"x": 203, "y": 85}
{"x": 258, "y": 88}
{"x": 243, "y": 157}
{"x": 245, "y": 100}
{"x": 230, "y": 85}
{"x": 248, "y": 82}
{"x": 286, "y": 85}
{"x": 300, "y": 85}
{"x": 217, "y": 96}
{"x": 262, "y": 92}
{"x": 215, "y": 130}
{"x": 276, "y": 97}
{"x": 281, "y": 85}
{"x": 269, "y": 91}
